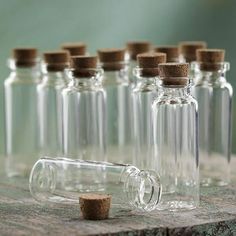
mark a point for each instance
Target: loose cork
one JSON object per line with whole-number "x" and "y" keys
{"x": 136, "y": 47}
{"x": 172, "y": 52}
{"x": 75, "y": 49}
{"x": 210, "y": 59}
{"x": 25, "y": 57}
{"x": 84, "y": 66}
{"x": 148, "y": 62}
{"x": 56, "y": 60}
{"x": 174, "y": 73}
{"x": 112, "y": 59}
{"x": 95, "y": 206}
{"x": 188, "y": 49}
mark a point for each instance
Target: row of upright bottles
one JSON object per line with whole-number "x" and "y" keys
{"x": 145, "y": 107}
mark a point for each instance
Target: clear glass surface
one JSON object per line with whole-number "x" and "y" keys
{"x": 119, "y": 146}
{"x": 50, "y": 112}
{"x": 176, "y": 148}
{"x": 214, "y": 96}
{"x": 21, "y": 130}
{"x": 142, "y": 97}
{"x": 128, "y": 185}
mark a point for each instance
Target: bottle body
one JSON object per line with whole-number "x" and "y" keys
{"x": 142, "y": 97}
{"x": 126, "y": 184}
{"x": 176, "y": 148}
{"x": 22, "y": 148}
{"x": 214, "y": 96}
{"x": 50, "y": 112}
{"x": 118, "y": 124}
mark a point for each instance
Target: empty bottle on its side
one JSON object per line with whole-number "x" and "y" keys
{"x": 118, "y": 124}
{"x": 54, "y": 80}
{"x": 142, "y": 96}
{"x": 21, "y": 119}
{"x": 176, "y": 139}
{"x": 214, "y": 96}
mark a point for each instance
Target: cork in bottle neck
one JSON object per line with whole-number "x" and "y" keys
{"x": 172, "y": 52}
{"x": 112, "y": 59}
{"x": 25, "y": 57}
{"x": 75, "y": 49}
{"x": 137, "y": 47}
{"x": 174, "y": 74}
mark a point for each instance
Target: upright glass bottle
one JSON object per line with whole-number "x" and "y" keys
{"x": 134, "y": 48}
{"x": 118, "y": 123}
{"x": 75, "y": 49}
{"x": 22, "y": 148}
{"x": 50, "y": 102}
{"x": 84, "y": 111}
{"x": 188, "y": 51}
{"x": 176, "y": 139}
{"x": 142, "y": 96}
{"x": 214, "y": 96}
{"x": 172, "y": 53}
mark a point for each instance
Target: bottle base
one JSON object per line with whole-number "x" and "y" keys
{"x": 176, "y": 206}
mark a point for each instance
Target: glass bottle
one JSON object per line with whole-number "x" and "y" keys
{"x": 188, "y": 51}
{"x": 176, "y": 139}
{"x": 142, "y": 96}
{"x": 118, "y": 123}
{"x": 172, "y": 53}
{"x": 133, "y": 49}
{"x": 22, "y": 148}
{"x": 84, "y": 111}
{"x": 128, "y": 186}
{"x": 50, "y": 101}
{"x": 214, "y": 96}
{"x": 75, "y": 49}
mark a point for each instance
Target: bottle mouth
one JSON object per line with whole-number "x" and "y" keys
{"x": 42, "y": 180}
{"x": 143, "y": 190}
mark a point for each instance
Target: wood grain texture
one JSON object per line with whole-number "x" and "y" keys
{"x": 22, "y": 215}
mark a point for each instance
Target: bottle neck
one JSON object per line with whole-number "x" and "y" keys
{"x": 58, "y": 77}
{"x": 175, "y": 91}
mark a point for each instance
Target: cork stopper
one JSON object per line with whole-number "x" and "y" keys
{"x": 172, "y": 52}
{"x": 95, "y": 206}
{"x": 84, "y": 66}
{"x": 188, "y": 49}
{"x": 210, "y": 59}
{"x": 112, "y": 59}
{"x": 56, "y": 60}
{"x": 148, "y": 62}
{"x": 174, "y": 73}
{"x": 25, "y": 57}
{"x": 75, "y": 49}
{"x": 136, "y": 47}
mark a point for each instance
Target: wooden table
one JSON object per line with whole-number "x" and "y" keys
{"x": 21, "y": 215}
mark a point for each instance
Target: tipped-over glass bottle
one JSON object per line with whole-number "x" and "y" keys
{"x": 22, "y": 148}
{"x": 127, "y": 184}
{"x": 118, "y": 123}
{"x": 133, "y": 49}
{"x": 176, "y": 139}
{"x": 172, "y": 53}
{"x": 50, "y": 101}
{"x": 84, "y": 111}
{"x": 142, "y": 96}
{"x": 188, "y": 51}
{"x": 214, "y": 96}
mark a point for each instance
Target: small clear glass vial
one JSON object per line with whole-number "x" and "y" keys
{"x": 133, "y": 49}
{"x": 142, "y": 96}
{"x": 118, "y": 123}
{"x": 172, "y": 53}
{"x": 75, "y": 48}
{"x": 176, "y": 139}
{"x": 54, "y": 80}
{"x": 21, "y": 119}
{"x": 128, "y": 186}
{"x": 214, "y": 96}
{"x": 84, "y": 111}
{"x": 188, "y": 51}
